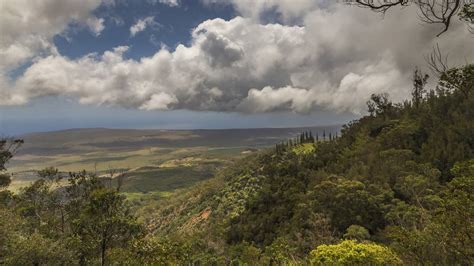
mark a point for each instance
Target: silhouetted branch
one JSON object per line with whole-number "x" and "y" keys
{"x": 436, "y": 61}
{"x": 431, "y": 11}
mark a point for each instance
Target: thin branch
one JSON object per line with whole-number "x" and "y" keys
{"x": 431, "y": 11}
{"x": 436, "y": 61}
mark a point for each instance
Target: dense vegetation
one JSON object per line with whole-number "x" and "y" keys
{"x": 401, "y": 177}
{"x": 397, "y": 187}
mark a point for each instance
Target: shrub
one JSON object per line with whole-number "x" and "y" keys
{"x": 350, "y": 252}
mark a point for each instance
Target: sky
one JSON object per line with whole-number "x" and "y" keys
{"x": 182, "y": 64}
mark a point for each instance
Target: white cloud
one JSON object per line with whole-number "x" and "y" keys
{"x": 270, "y": 99}
{"x": 172, "y": 3}
{"x": 96, "y": 25}
{"x": 27, "y": 28}
{"x": 334, "y": 60}
{"x": 160, "y": 101}
{"x": 286, "y": 9}
{"x": 141, "y": 25}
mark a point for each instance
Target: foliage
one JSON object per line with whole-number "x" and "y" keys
{"x": 35, "y": 249}
{"x": 444, "y": 236}
{"x": 357, "y": 232}
{"x": 73, "y": 225}
{"x": 388, "y": 178}
{"x": 401, "y": 176}
{"x": 104, "y": 221}
{"x": 7, "y": 149}
{"x": 152, "y": 251}
{"x": 467, "y": 13}
{"x": 350, "y": 252}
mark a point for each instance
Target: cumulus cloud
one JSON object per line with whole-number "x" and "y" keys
{"x": 270, "y": 99}
{"x": 333, "y": 60}
{"x": 141, "y": 25}
{"x": 288, "y": 10}
{"x": 160, "y": 101}
{"x": 27, "y": 29}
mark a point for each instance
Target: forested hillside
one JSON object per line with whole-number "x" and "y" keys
{"x": 395, "y": 187}
{"x": 402, "y": 177}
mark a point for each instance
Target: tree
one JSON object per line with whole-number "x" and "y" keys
{"x": 7, "y": 148}
{"x": 431, "y": 11}
{"x": 467, "y": 15}
{"x": 349, "y": 202}
{"x": 350, "y": 252}
{"x": 104, "y": 221}
{"x": 152, "y": 251}
{"x": 50, "y": 174}
{"x": 280, "y": 252}
{"x": 5, "y": 180}
{"x": 456, "y": 216}
{"x": 458, "y": 79}
{"x": 37, "y": 205}
{"x": 379, "y": 104}
{"x": 419, "y": 82}
{"x": 357, "y": 232}
{"x": 35, "y": 249}
{"x": 442, "y": 235}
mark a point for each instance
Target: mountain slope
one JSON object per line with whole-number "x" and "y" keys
{"x": 402, "y": 176}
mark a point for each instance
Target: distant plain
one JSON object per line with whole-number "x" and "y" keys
{"x": 154, "y": 162}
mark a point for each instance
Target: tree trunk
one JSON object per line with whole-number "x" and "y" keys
{"x": 103, "y": 249}
{"x": 62, "y": 221}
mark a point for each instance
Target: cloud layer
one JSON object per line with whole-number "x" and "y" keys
{"x": 27, "y": 28}
{"x": 141, "y": 25}
{"x": 334, "y": 60}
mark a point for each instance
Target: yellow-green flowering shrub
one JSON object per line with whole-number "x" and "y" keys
{"x": 351, "y": 252}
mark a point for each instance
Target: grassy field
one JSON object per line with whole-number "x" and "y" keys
{"x": 154, "y": 162}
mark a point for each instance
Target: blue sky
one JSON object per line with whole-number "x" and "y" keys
{"x": 174, "y": 25}
{"x": 202, "y": 63}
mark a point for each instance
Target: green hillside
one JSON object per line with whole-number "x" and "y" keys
{"x": 401, "y": 177}
{"x": 395, "y": 187}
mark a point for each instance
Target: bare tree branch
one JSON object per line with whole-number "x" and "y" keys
{"x": 431, "y": 11}
{"x": 436, "y": 61}
{"x": 379, "y": 5}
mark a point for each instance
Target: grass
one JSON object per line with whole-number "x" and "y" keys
{"x": 16, "y": 185}
{"x": 167, "y": 179}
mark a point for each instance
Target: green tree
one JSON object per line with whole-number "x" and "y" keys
{"x": 103, "y": 222}
{"x": 351, "y": 202}
{"x": 349, "y": 252}
{"x": 7, "y": 149}
{"x": 357, "y": 232}
{"x": 442, "y": 235}
{"x": 35, "y": 249}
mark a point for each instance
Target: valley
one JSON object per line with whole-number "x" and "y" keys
{"x": 153, "y": 162}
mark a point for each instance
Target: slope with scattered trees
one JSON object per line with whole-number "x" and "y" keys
{"x": 397, "y": 187}
{"x": 398, "y": 181}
